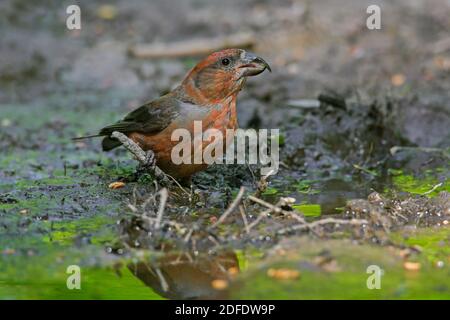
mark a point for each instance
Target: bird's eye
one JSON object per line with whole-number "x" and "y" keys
{"x": 225, "y": 61}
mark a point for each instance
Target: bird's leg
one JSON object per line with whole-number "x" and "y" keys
{"x": 146, "y": 159}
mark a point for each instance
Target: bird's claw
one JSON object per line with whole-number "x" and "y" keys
{"x": 150, "y": 159}
{"x": 149, "y": 163}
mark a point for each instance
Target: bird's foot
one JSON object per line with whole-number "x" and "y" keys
{"x": 146, "y": 160}
{"x": 149, "y": 163}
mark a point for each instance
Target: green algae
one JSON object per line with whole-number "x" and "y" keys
{"x": 70, "y": 217}
{"x": 345, "y": 278}
{"x": 309, "y": 210}
{"x": 44, "y": 276}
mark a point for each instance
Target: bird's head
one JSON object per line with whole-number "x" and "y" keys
{"x": 222, "y": 74}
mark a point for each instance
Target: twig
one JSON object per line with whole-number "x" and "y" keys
{"x": 164, "y": 285}
{"x": 244, "y": 218}
{"x": 261, "y": 216}
{"x": 162, "y": 204}
{"x": 321, "y": 222}
{"x": 140, "y": 154}
{"x": 276, "y": 209}
{"x": 432, "y": 189}
{"x": 304, "y": 103}
{"x": 396, "y": 149}
{"x": 188, "y": 235}
{"x": 131, "y": 146}
{"x": 273, "y": 208}
{"x": 358, "y": 167}
{"x": 230, "y": 208}
{"x": 213, "y": 240}
{"x": 189, "y": 48}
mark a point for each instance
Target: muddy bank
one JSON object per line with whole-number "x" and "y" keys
{"x": 364, "y": 136}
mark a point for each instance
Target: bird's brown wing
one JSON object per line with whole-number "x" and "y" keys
{"x": 152, "y": 117}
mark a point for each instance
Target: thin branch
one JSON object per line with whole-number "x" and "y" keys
{"x": 192, "y": 47}
{"x": 231, "y": 208}
{"x": 273, "y": 208}
{"x": 277, "y": 209}
{"x": 162, "y": 204}
{"x": 131, "y": 146}
{"x": 140, "y": 154}
{"x": 432, "y": 189}
{"x": 162, "y": 280}
{"x": 261, "y": 216}
{"x": 244, "y": 218}
{"x": 188, "y": 235}
{"x": 322, "y": 222}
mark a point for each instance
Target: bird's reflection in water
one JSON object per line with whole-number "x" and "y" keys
{"x": 185, "y": 276}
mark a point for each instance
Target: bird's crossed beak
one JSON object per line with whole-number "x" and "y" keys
{"x": 253, "y": 65}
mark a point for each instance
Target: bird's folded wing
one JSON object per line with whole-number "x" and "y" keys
{"x": 152, "y": 117}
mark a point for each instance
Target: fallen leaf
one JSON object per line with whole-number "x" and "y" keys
{"x": 219, "y": 284}
{"x": 233, "y": 271}
{"x": 398, "y": 79}
{"x": 283, "y": 274}
{"x": 411, "y": 266}
{"x": 116, "y": 185}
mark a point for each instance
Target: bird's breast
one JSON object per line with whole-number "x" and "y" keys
{"x": 220, "y": 117}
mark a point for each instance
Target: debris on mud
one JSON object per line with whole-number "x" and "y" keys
{"x": 249, "y": 220}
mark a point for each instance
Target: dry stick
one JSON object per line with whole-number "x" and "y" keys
{"x": 188, "y": 235}
{"x": 265, "y": 204}
{"x": 261, "y": 216}
{"x": 146, "y": 202}
{"x": 189, "y": 257}
{"x": 230, "y": 208}
{"x": 216, "y": 243}
{"x": 163, "y": 281}
{"x": 140, "y": 154}
{"x": 177, "y": 225}
{"x": 244, "y": 218}
{"x": 395, "y": 214}
{"x": 304, "y": 224}
{"x": 323, "y": 221}
{"x": 162, "y": 204}
{"x": 432, "y": 189}
{"x": 194, "y": 47}
{"x": 276, "y": 209}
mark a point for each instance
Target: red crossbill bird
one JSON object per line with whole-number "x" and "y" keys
{"x": 207, "y": 94}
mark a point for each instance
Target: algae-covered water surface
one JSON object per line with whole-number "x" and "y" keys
{"x": 359, "y": 207}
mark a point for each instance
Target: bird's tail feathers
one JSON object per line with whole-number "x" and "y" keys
{"x": 87, "y": 137}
